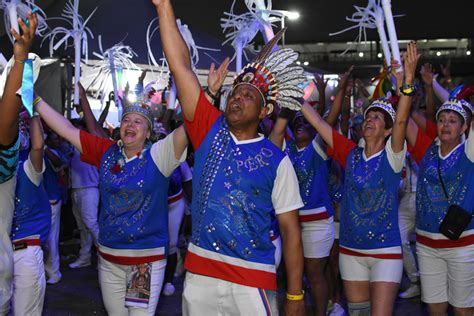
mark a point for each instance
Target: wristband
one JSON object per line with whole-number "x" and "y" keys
{"x": 37, "y": 100}
{"x": 297, "y": 297}
{"x": 287, "y": 114}
{"x": 20, "y": 61}
{"x": 212, "y": 95}
{"x": 408, "y": 89}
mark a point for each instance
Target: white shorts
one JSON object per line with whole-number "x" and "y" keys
{"x": 203, "y": 295}
{"x": 355, "y": 268}
{"x": 317, "y": 238}
{"x": 447, "y": 275}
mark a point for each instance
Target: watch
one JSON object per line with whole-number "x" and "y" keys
{"x": 408, "y": 89}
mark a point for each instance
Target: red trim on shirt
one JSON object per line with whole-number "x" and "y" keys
{"x": 130, "y": 260}
{"x": 445, "y": 243}
{"x": 342, "y": 148}
{"x": 204, "y": 117}
{"x": 224, "y": 271}
{"x": 431, "y": 129}
{"x": 372, "y": 255}
{"x": 93, "y": 148}
{"x": 422, "y": 144}
{"x": 314, "y": 217}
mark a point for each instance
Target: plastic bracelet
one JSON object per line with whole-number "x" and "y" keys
{"x": 20, "y": 61}
{"x": 37, "y": 100}
{"x": 292, "y": 297}
{"x": 212, "y": 95}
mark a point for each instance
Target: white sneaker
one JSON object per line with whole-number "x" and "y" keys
{"x": 412, "y": 291}
{"x": 168, "y": 289}
{"x": 337, "y": 310}
{"x": 80, "y": 263}
{"x": 53, "y": 280}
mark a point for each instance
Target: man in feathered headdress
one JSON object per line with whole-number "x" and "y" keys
{"x": 240, "y": 180}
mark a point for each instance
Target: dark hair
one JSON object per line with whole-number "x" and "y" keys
{"x": 386, "y": 117}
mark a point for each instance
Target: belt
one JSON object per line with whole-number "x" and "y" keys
{"x": 24, "y": 243}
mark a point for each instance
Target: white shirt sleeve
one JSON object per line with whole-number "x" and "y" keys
{"x": 286, "y": 192}
{"x": 186, "y": 174}
{"x": 35, "y": 177}
{"x": 318, "y": 145}
{"x": 163, "y": 155}
{"x": 469, "y": 145}
{"x": 396, "y": 160}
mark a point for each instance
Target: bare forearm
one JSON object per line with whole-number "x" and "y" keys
{"x": 91, "y": 123}
{"x": 177, "y": 55}
{"x": 440, "y": 92}
{"x": 278, "y": 132}
{"x": 430, "y": 103}
{"x": 400, "y": 124}
{"x": 104, "y": 114}
{"x": 336, "y": 106}
{"x": 346, "y": 113}
{"x": 59, "y": 124}
{"x": 292, "y": 251}
{"x": 323, "y": 128}
{"x": 10, "y": 105}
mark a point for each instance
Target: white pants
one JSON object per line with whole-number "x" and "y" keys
{"x": 175, "y": 217}
{"x": 29, "y": 283}
{"x": 317, "y": 238}
{"x": 406, "y": 222}
{"x": 113, "y": 283}
{"x": 354, "y": 268}
{"x": 204, "y": 295}
{"x": 85, "y": 206}
{"x": 447, "y": 275}
{"x": 7, "y": 198}
{"x": 52, "y": 261}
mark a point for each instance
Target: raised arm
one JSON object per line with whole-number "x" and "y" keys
{"x": 410, "y": 59}
{"x": 58, "y": 123}
{"x": 339, "y": 98}
{"x": 427, "y": 76}
{"x": 321, "y": 126}
{"x": 321, "y": 84}
{"x": 10, "y": 104}
{"x": 37, "y": 143}
{"x": 177, "y": 55}
{"x": 441, "y": 93}
{"x": 215, "y": 80}
{"x": 91, "y": 123}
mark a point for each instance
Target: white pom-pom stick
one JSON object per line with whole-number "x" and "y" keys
{"x": 379, "y": 22}
{"x": 392, "y": 33}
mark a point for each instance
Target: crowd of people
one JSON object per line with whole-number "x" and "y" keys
{"x": 332, "y": 192}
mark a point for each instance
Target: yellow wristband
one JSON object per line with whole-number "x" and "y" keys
{"x": 20, "y": 61}
{"x": 292, "y": 297}
{"x": 37, "y": 100}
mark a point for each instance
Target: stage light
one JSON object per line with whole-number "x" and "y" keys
{"x": 306, "y": 63}
{"x": 438, "y": 53}
{"x": 379, "y": 55}
{"x": 468, "y": 53}
{"x": 361, "y": 54}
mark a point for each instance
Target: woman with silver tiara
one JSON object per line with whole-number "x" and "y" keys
{"x": 370, "y": 247}
{"x": 133, "y": 223}
{"x": 445, "y": 188}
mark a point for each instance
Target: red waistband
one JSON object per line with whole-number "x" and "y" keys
{"x": 445, "y": 243}
{"x": 373, "y": 255}
{"x": 130, "y": 260}
{"x": 175, "y": 198}
{"x": 24, "y": 243}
